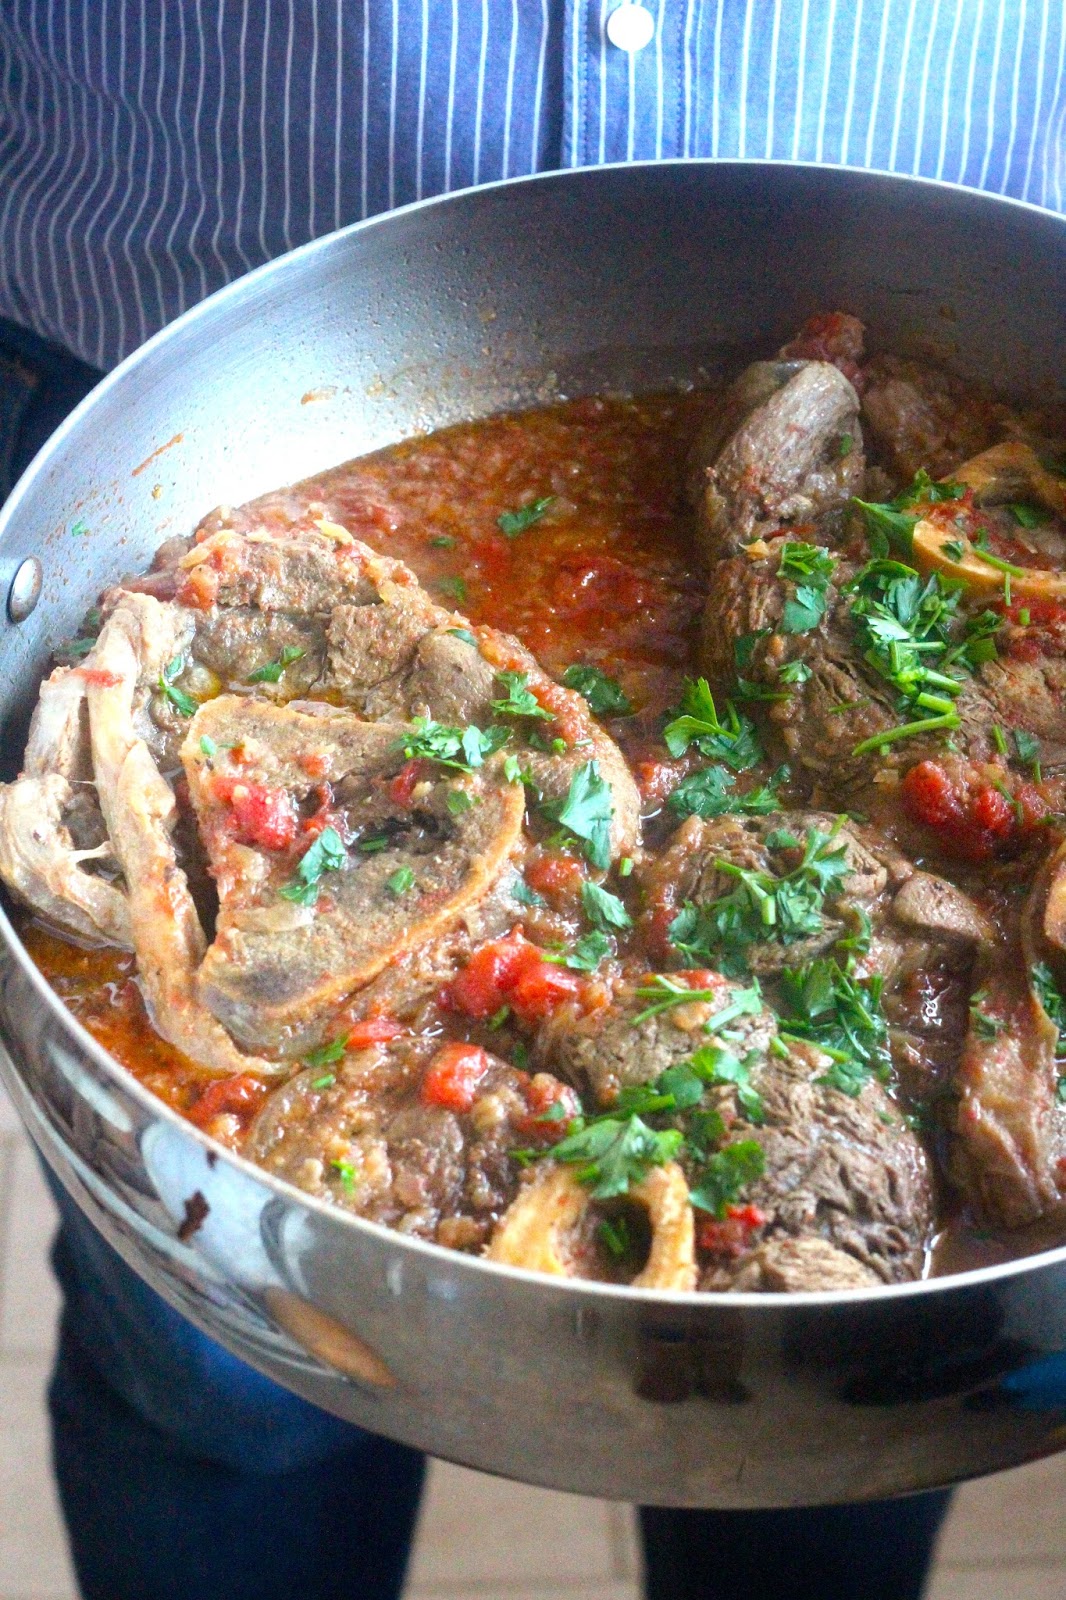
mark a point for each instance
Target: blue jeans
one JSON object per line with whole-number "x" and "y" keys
{"x": 185, "y": 1475}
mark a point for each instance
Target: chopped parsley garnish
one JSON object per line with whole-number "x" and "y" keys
{"x": 327, "y": 1080}
{"x": 512, "y": 523}
{"x": 763, "y": 907}
{"x": 794, "y": 672}
{"x": 520, "y": 701}
{"x": 527, "y": 896}
{"x": 271, "y": 672}
{"x": 824, "y": 1003}
{"x": 666, "y": 992}
{"x": 984, "y": 552}
{"x": 725, "y": 1174}
{"x": 603, "y": 909}
{"x": 346, "y": 1172}
{"x": 588, "y": 951}
{"x": 208, "y": 747}
{"x": 1028, "y": 748}
{"x": 846, "y": 445}
{"x": 711, "y": 793}
{"x": 324, "y": 854}
{"x": 891, "y": 524}
{"x": 442, "y": 541}
{"x": 587, "y": 812}
{"x": 983, "y": 1024}
{"x": 744, "y": 647}
{"x": 613, "y": 1233}
{"x": 183, "y": 703}
{"x": 459, "y": 802}
{"x": 373, "y": 843}
{"x": 809, "y": 567}
{"x": 954, "y": 549}
{"x": 902, "y": 624}
{"x": 454, "y": 588}
{"x": 612, "y": 1153}
{"x": 715, "y": 1065}
{"x": 734, "y": 741}
{"x": 327, "y": 1054}
{"x": 1053, "y": 1001}
{"x": 400, "y": 882}
{"x": 461, "y": 749}
{"x": 1027, "y": 515}
{"x": 604, "y": 696}
{"x": 464, "y": 634}
{"x": 625, "y": 867}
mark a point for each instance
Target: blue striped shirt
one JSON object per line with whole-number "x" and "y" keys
{"x": 151, "y": 150}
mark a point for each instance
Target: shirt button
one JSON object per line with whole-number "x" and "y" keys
{"x": 630, "y": 27}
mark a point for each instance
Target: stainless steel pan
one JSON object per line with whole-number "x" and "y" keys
{"x": 504, "y": 297}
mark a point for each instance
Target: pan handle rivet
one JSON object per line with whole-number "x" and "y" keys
{"x": 25, "y": 590}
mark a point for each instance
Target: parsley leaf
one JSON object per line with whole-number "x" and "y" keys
{"x": 713, "y": 1064}
{"x": 1029, "y": 516}
{"x": 726, "y": 1174}
{"x": 735, "y": 741}
{"x": 604, "y": 696}
{"x": 824, "y": 1003}
{"x": 809, "y": 567}
{"x": 461, "y": 749}
{"x": 454, "y": 588}
{"x": 271, "y": 672}
{"x": 603, "y": 909}
{"x": 400, "y": 882}
{"x": 327, "y": 1054}
{"x": 183, "y": 703}
{"x": 891, "y": 524}
{"x": 324, "y": 854}
{"x": 588, "y": 951}
{"x": 666, "y": 992}
{"x": 525, "y": 895}
{"x": 984, "y": 1026}
{"x": 512, "y": 523}
{"x": 612, "y": 1153}
{"x": 710, "y": 793}
{"x": 1052, "y": 1000}
{"x": 587, "y": 812}
{"x": 520, "y": 700}
{"x": 794, "y": 672}
{"x": 763, "y": 907}
{"x": 208, "y": 747}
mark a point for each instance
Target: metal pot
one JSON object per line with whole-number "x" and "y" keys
{"x": 501, "y": 297}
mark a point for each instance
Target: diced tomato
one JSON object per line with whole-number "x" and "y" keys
{"x": 830, "y": 336}
{"x": 453, "y": 1076}
{"x": 258, "y": 815}
{"x": 99, "y": 676}
{"x": 554, "y": 874}
{"x": 544, "y": 1124}
{"x": 732, "y": 1234}
{"x": 314, "y": 763}
{"x": 975, "y": 814}
{"x": 402, "y": 787}
{"x": 372, "y": 1030}
{"x": 510, "y": 972}
{"x": 540, "y": 989}
{"x": 239, "y": 1096}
